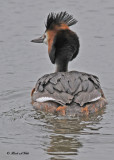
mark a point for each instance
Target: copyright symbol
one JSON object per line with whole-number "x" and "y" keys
{"x": 8, "y": 153}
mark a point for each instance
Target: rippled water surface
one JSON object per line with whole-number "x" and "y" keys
{"x": 47, "y": 137}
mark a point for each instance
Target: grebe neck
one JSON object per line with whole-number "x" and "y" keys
{"x": 62, "y": 67}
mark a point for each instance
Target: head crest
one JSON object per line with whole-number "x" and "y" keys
{"x": 59, "y": 18}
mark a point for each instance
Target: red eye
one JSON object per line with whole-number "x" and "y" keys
{"x": 44, "y": 36}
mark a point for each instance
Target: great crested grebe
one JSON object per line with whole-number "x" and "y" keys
{"x": 66, "y": 93}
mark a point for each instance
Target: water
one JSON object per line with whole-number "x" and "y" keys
{"x": 48, "y": 137}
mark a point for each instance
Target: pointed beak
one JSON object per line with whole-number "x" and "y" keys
{"x": 39, "y": 40}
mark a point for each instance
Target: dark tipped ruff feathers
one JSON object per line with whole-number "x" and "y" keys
{"x": 59, "y": 18}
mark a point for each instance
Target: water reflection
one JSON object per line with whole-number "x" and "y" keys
{"x": 65, "y": 134}
{"x": 62, "y": 145}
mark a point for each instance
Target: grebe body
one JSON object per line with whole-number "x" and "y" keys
{"x": 66, "y": 93}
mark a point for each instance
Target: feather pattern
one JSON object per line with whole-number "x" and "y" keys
{"x": 81, "y": 89}
{"x": 59, "y": 18}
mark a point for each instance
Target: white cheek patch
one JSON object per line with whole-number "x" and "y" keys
{"x": 95, "y": 99}
{"x": 45, "y": 40}
{"x": 44, "y": 99}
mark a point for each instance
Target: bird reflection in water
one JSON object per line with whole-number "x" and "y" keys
{"x": 65, "y": 134}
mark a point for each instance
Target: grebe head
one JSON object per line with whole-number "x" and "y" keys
{"x": 63, "y": 44}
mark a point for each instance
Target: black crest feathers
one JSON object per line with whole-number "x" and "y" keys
{"x": 59, "y": 18}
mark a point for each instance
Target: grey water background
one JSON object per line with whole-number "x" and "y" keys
{"x": 48, "y": 137}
